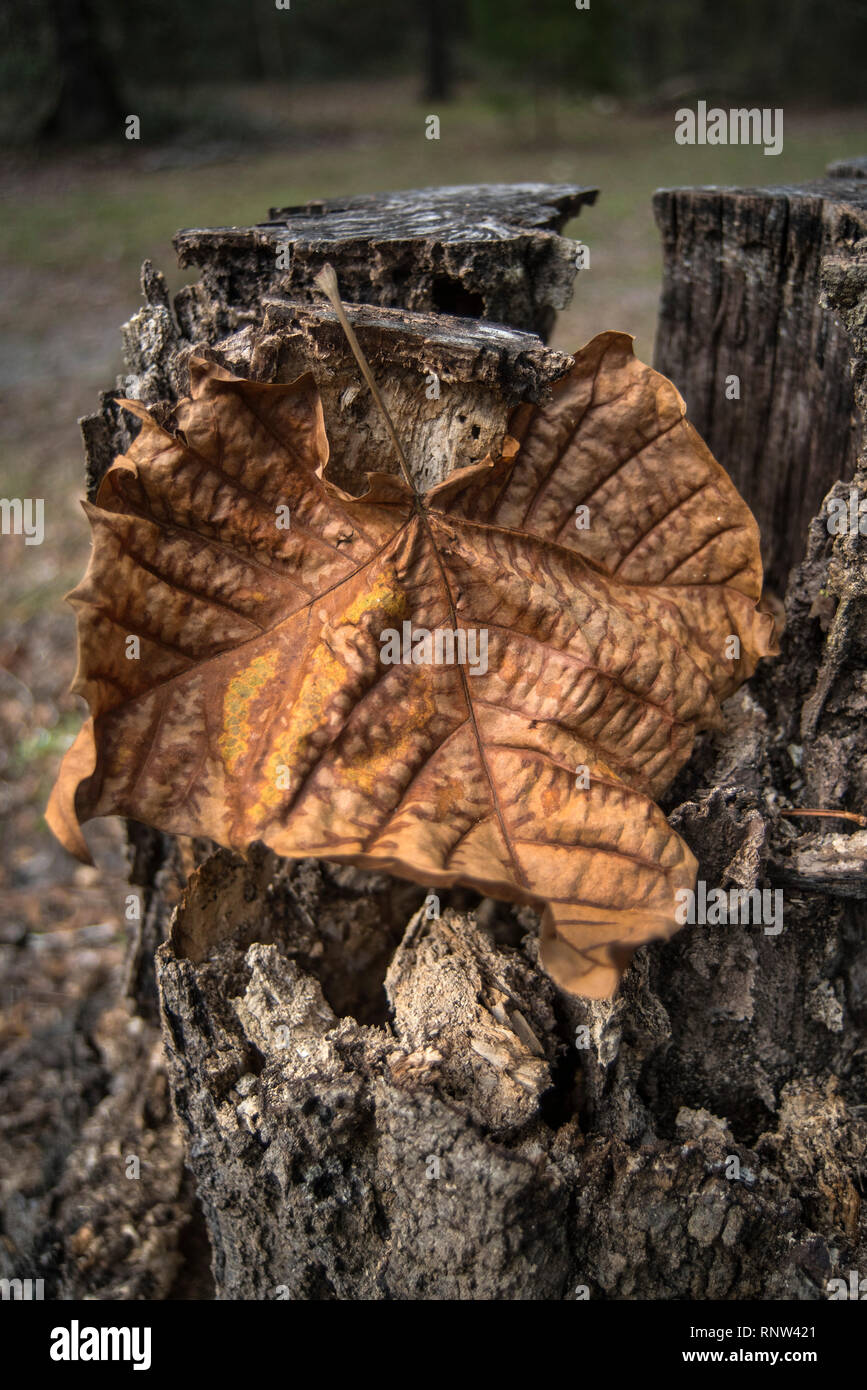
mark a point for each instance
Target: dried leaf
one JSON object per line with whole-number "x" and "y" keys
{"x": 260, "y": 707}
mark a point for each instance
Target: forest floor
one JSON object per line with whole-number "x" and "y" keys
{"x": 75, "y": 230}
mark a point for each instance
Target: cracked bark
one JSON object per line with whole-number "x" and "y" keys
{"x": 379, "y": 1110}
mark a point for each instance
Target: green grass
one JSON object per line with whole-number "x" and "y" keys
{"x": 42, "y": 744}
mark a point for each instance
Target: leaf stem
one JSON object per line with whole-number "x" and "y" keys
{"x": 326, "y": 281}
{"x": 835, "y": 815}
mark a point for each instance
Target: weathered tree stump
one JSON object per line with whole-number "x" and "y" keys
{"x": 378, "y": 1105}
{"x": 490, "y": 251}
{"x": 742, "y": 298}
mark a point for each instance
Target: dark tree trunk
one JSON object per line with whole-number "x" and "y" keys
{"x": 87, "y": 106}
{"x": 436, "y": 16}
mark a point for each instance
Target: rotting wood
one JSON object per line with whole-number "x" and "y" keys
{"x": 742, "y": 299}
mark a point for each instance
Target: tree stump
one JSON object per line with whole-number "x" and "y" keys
{"x": 379, "y": 1104}
{"x": 742, "y": 311}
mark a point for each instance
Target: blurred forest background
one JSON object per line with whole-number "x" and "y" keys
{"x": 243, "y": 105}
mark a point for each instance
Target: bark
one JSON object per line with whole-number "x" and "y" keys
{"x": 491, "y": 252}
{"x": 741, "y": 296}
{"x": 437, "y": 21}
{"x": 379, "y": 1102}
{"x": 87, "y": 105}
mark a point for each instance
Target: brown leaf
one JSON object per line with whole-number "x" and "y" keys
{"x": 260, "y": 707}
